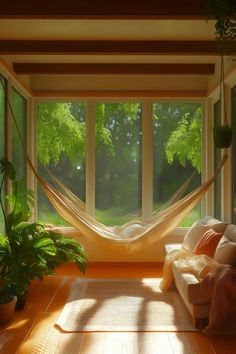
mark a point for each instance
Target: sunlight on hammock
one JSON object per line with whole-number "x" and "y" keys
{"x": 134, "y": 235}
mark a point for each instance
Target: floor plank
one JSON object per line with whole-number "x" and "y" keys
{"x": 223, "y": 344}
{"x": 14, "y": 333}
{"x": 190, "y": 343}
{"x": 155, "y": 343}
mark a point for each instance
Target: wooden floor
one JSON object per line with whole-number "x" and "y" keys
{"x": 32, "y": 330}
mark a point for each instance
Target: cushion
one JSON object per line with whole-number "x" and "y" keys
{"x": 208, "y": 243}
{"x": 226, "y": 249}
{"x": 193, "y": 236}
{"x": 132, "y": 230}
{"x": 198, "y": 229}
{"x": 215, "y": 224}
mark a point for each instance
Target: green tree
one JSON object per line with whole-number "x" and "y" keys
{"x": 185, "y": 142}
{"x": 166, "y": 120}
{"x": 59, "y": 132}
{"x": 118, "y": 162}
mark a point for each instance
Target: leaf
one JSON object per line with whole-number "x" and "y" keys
{"x": 7, "y": 169}
{"x": 184, "y": 142}
{"x": 46, "y": 245}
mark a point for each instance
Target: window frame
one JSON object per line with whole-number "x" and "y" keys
{"x": 217, "y": 159}
{"x": 147, "y": 158}
{"x": 4, "y": 129}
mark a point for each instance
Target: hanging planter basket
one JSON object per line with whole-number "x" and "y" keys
{"x": 223, "y": 136}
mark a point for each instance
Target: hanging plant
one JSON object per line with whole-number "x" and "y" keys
{"x": 223, "y": 134}
{"x": 224, "y": 11}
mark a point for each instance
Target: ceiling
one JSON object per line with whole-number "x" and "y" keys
{"x": 89, "y": 45}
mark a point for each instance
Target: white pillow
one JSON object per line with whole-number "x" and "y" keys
{"x": 230, "y": 232}
{"x": 226, "y": 249}
{"x": 193, "y": 236}
{"x": 132, "y": 230}
{"x": 215, "y": 224}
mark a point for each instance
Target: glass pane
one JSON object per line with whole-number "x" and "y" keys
{"x": 118, "y": 162}
{"x": 217, "y": 160}
{"x": 19, "y": 110}
{"x": 2, "y": 134}
{"x": 61, "y": 134}
{"x": 234, "y": 154}
{"x": 177, "y": 152}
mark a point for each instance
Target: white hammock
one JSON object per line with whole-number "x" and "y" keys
{"x": 133, "y": 235}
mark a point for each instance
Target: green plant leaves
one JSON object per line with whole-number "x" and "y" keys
{"x": 28, "y": 251}
{"x": 186, "y": 135}
{"x": 7, "y": 169}
{"x": 46, "y": 245}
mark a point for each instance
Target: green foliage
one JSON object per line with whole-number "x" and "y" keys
{"x": 224, "y": 12}
{"x": 7, "y": 169}
{"x": 103, "y": 134}
{"x": 21, "y": 201}
{"x": 59, "y": 132}
{"x": 28, "y": 251}
{"x": 118, "y": 161}
{"x": 32, "y": 252}
{"x": 184, "y": 142}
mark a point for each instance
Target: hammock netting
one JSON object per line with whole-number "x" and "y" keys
{"x": 134, "y": 235}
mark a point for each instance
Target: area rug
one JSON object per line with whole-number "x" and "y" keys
{"x": 99, "y": 305}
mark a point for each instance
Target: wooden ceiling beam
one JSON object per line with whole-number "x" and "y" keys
{"x": 112, "y": 47}
{"x": 106, "y": 9}
{"x": 112, "y": 69}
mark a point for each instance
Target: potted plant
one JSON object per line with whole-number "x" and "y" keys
{"x": 223, "y": 136}
{"x": 27, "y": 250}
{"x": 7, "y": 304}
{"x": 224, "y": 11}
{"x": 225, "y": 26}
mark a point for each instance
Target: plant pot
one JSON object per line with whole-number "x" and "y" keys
{"x": 7, "y": 310}
{"x": 223, "y": 137}
{"x": 20, "y": 303}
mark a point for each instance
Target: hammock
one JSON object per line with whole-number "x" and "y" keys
{"x": 133, "y": 235}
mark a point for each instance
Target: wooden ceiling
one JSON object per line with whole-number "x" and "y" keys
{"x": 104, "y": 9}
{"x": 94, "y": 37}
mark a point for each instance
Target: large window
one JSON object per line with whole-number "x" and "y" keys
{"x": 2, "y": 128}
{"x": 61, "y": 139}
{"x": 176, "y": 152}
{"x": 115, "y": 157}
{"x": 118, "y": 184}
{"x": 20, "y": 110}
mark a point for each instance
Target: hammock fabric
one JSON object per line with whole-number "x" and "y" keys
{"x": 133, "y": 235}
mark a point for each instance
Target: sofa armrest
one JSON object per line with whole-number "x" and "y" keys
{"x": 189, "y": 286}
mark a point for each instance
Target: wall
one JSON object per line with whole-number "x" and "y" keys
{"x": 98, "y": 252}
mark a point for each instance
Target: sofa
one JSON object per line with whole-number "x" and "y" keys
{"x": 217, "y": 240}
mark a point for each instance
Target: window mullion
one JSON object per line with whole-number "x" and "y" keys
{"x": 9, "y": 130}
{"x": 90, "y": 158}
{"x": 147, "y": 160}
{"x": 31, "y": 150}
